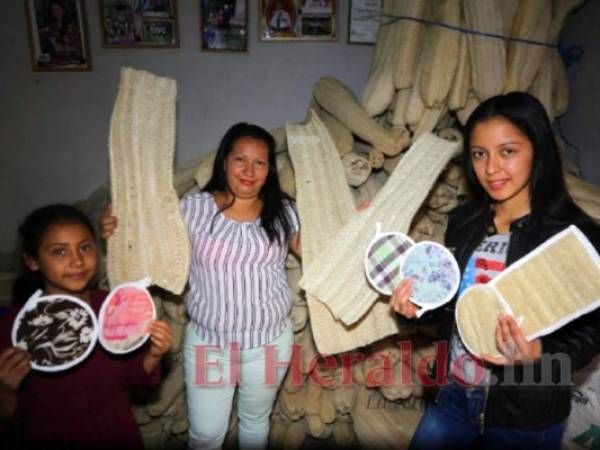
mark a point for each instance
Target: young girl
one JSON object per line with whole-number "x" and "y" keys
{"x": 240, "y": 228}
{"x": 85, "y": 406}
{"x": 520, "y": 200}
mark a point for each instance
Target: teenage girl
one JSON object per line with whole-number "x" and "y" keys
{"x": 520, "y": 399}
{"x": 85, "y": 406}
{"x": 240, "y": 227}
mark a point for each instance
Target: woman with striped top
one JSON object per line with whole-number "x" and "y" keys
{"x": 240, "y": 226}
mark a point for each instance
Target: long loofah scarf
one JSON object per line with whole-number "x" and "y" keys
{"x": 151, "y": 239}
{"x": 337, "y": 277}
{"x": 325, "y": 204}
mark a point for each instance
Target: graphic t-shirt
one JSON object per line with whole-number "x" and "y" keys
{"x": 487, "y": 261}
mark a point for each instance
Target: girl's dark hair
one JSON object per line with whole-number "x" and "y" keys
{"x": 550, "y": 200}
{"x": 273, "y": 217}
{"x": 32, "y": 232}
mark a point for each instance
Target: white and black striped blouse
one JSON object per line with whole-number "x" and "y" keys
{"x": 238, "y": 288}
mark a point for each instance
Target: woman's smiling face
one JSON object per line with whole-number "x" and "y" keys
{"x": 502, "y": 158}
{"x": 247, "y": 167}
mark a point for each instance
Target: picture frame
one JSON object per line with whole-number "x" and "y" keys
{"x": 298, "y": 20}
{"x": 139, "y": 23}
{"x": 224, "y": 25}
{"x": 58, "y": 35}
{"x": 364, "y": 17}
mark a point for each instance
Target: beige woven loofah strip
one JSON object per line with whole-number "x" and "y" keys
{"x": 325, "y": 204}
{"x": 338, "y": 279}
{"x": 151, "y": 239}
{"x": 551, "y": 286}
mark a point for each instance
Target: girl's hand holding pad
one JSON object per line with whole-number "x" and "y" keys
{"x": 511, "y": 342}
{"x": 14, "y": 366}
{"x": 399, "y": 300}
{"x": 161, "y": 338}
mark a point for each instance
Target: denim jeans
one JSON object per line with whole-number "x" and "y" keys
{"x": 454, "y": 423}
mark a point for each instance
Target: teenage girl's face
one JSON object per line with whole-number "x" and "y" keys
{"x": 502, "y": 158}
{"x": 247, "y": 167}
{"x": 66, "y": 259}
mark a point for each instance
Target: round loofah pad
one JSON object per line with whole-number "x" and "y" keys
{"x": 383, "y": 259}
{"x": 57, "y": 331}
{"x": 124, "y": 318}
{"x": 434, "y": 272}
{"x": 477, "y": 312}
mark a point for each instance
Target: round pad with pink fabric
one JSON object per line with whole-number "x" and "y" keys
{"x": 125, "y": 316}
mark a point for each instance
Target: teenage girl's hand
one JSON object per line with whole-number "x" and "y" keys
{"x": 399, "y": 301}
{"x": 363, "y": 205}
{"x": 108, "y": 223}
{"x": 161, "y": 338}
{"x": 511, "y": 342}
{"x": 14, "y": 366}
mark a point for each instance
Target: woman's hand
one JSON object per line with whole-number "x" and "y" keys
{"x": 108, "y": 223}
{"x": 399, "y": 301}
{"x": 363, "y": 205}
{"x": 161, "y": 338}
{"x": 511, "y": 342}
{"x": 294, "y": 245}
{"x": 14, "y": 367}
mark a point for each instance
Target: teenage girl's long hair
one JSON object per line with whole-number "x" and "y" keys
{"x": 550, "y": 200}
{"x": 273, "y": 217}
{"x": 32, "y": 232}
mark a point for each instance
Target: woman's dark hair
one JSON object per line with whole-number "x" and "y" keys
{"x": 273, "y": 217}
{"x": 550, "y": 200}
{"x": 32, "y": 232}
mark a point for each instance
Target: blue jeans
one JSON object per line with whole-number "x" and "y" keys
{"x": 454, "y": 423}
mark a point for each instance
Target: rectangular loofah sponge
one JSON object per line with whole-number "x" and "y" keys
{"x": 337, "y": 278}
{"x": 551, "y": 286}
{"x": 325, "y": 204}
{"x": 151, "y": 238}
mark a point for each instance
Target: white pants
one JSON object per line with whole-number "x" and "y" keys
{"x": 210, "y": 386}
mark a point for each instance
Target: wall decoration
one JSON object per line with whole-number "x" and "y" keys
{"x": 224, "y": 25}
{"x": 298, "y": 20}
{"x": 58, "y": 36}
{"x": 139, "y": 23}
{"x": 363, "y": 21}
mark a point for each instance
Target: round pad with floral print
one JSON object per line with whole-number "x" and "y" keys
{"x": 383, "y": 259}
{"x": 434, "y": 272}
{"x": 125, "y": 316}
{"x": 58, "y": 331}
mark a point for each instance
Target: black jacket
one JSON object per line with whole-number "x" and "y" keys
{"x": 535, "y": 405}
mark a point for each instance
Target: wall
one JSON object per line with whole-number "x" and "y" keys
{"x": 54, "y": 126}
{"x": 581, "y": 124}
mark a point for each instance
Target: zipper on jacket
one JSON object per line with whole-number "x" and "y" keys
{"x": 482, "y": 414}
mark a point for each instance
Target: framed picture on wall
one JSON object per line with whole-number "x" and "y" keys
{"x": 58, "y": 36}
{"x": 298, "y": 20}
{"x": 139, "y": 23}
{"x": 363, "y": 21}
{"x": 224, "y": 25}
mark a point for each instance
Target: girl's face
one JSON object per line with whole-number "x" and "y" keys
{"x": 502, "y": 158}
{"x": 66, "y": 259}
{"x": 247, "y": 167}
